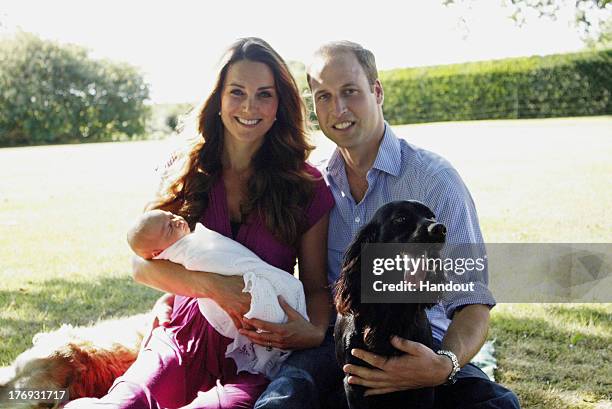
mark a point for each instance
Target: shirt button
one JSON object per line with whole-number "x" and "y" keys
{"x": 357, "y": 219}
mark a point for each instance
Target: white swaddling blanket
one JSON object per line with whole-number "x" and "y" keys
{"x": 207, "y": 250}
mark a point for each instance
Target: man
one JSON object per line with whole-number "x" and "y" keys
{"x": 371, "y": 167}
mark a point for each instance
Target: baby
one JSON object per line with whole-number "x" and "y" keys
{"x": 159, "y": 234}
{"x": 155, "y": 231}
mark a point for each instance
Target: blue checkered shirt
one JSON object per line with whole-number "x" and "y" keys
{"x": 403, "y": 171}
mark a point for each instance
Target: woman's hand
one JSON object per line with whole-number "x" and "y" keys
{"x": 296, "y": 333}
{"x": 227, "y": 292}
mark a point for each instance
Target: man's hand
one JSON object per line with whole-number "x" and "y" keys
{"x": 419, "y": 367}
{"x": 296, "y": 333}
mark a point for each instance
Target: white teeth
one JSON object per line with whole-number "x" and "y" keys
{"x": 343, "y": 125}
{"x": 248, "y": 121}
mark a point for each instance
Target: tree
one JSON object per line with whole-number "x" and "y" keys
{"x": 604, "y": 39}
{"x": 592, "y": 17}
{"x": 52, "y": 93}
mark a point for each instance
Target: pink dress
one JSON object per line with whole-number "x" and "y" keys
{"x": 184, "y": 364}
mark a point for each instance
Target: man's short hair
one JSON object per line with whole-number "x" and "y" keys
{"x": 364, "y": 56}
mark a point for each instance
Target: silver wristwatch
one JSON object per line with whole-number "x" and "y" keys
{"x": 452, "y": 377}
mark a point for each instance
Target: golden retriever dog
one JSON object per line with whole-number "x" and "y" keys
{"x": 83, "y": 360}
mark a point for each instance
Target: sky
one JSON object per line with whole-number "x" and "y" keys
{"x": 178, "y": 44}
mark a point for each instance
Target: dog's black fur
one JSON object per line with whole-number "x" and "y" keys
{"x": 370, "y": 326}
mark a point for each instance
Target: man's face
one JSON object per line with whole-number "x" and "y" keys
{"x": 349, "y": 109}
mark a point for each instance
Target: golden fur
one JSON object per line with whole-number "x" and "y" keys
{"x": 85, "y": 360}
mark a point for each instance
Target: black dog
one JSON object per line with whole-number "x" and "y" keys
{"x": 370, "y": 326}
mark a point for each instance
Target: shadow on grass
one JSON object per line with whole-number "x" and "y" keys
{"x": 51, "y": 303}
{"x": 538, "y": 358}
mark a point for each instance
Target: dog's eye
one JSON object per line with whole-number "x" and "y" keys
{"x": 399, "y": 220}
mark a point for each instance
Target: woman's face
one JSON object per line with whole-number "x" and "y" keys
{"x": 249, "y": 102}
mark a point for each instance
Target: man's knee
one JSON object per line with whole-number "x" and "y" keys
{"x": 304, "y": 378}
{"x": 477, "y": 393}
{"x": 293, "y": 388}
{"x": 506, "y": 400}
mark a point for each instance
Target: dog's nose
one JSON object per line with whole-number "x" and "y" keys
{"x": 436, "y": 230}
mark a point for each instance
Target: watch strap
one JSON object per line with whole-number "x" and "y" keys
{"x": 452, "y": 377}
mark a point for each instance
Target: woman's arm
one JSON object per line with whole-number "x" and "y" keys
{"x": 174, "y": 278}
{"x": 297, "y": 333}
{"x": 312, "y": 259}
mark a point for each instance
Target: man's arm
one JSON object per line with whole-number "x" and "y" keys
{"x": 467, "y": 332}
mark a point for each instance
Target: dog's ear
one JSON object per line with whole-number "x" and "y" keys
{"x": 348, "y": 286}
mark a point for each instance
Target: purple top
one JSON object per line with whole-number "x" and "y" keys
{"x": 253, "y": 233}
{"x": 188, "y": 325}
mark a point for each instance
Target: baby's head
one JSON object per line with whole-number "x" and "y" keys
{"x": 155, "y": 231}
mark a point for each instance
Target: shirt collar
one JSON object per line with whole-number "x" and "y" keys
{"x": 388, "y": 158}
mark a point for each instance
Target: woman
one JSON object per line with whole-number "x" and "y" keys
{"x": 245, "y": 178}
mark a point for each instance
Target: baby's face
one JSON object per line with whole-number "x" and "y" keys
{"x": 159, "y": 230}
{"x": 169, "y": 228}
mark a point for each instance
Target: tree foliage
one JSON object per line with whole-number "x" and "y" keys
{"x": 592, "y": 17}
{"x": 52, "y": 93}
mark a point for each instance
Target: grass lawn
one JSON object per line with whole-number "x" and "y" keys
{"x": 64, "y": 211}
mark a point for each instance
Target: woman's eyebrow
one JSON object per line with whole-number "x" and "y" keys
{"x": 234, "y": 84}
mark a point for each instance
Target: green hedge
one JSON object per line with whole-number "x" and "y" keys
{"x": 536, "y": 87}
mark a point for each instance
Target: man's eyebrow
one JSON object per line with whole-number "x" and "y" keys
{"x": 348, "y": 84}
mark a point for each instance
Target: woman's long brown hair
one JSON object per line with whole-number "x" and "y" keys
{"x": 280, "y": 187}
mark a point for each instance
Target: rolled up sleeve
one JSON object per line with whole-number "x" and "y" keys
{"x": 453, "y": 206}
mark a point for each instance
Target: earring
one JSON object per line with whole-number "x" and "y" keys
{"x": 219, "y": 113}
